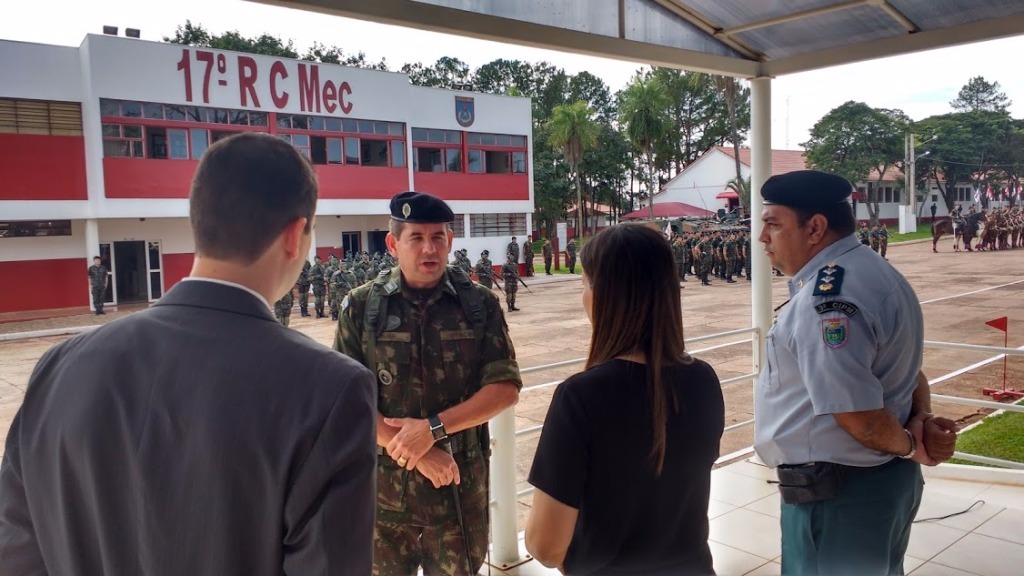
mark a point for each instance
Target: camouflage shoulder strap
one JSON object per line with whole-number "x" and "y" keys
{"x": 376, "y": 307}
{"x": 469, "y": 298}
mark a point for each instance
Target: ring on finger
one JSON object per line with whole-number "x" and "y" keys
{"x": 402, "y": 461}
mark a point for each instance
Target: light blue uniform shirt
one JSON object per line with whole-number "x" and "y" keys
{"x": 857, "y": 347}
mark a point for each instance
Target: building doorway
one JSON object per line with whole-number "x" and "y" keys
{"x": 350, "y": 242}
{"x": 130, "y": 271}
{"x": 376, "y": 241}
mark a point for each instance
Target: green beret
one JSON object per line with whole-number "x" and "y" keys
{"x": 420, "y": 208}
{"x": 806, "y": 190}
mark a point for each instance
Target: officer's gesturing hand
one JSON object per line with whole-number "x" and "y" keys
{"x": 412, "y": 441}
{"x": 439, "y": 467}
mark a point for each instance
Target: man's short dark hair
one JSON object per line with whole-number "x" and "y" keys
{"x": 840, "y": 217}
{"x": 246, "y": 189}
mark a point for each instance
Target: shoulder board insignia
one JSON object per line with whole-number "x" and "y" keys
{"x": 390, "y": 288}
{"x": 837, "y": 306}
{"x": 829, "y": 281}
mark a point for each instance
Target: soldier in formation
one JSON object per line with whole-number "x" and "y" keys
{"x": 317, "y": 280}
{"x": 528, "y": 256}
{"x": 511, "y": 276}
{"x": 549, "y": 256}
{"x": 283, "y": 308}
{"x": 513, "y": 249}
{"x": 883, "y": 240}
{"x": 730, "y": 255}
{"x": 485, "y": 270}
{"x": 679, "y": 249}
{"x": 342, "y": 282}
{"x": 303, "y": 284}
{"x": 98, "y": 281}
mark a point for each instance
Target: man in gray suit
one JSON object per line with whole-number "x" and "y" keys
{"x": 200, "y": 436}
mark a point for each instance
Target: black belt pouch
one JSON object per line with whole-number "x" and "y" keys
{"x": 803, "y": 483}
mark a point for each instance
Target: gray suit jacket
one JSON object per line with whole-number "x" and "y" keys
{"x": 199, "y": 437}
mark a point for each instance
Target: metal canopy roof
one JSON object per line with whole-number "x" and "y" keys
{"x": 744, "y": 38}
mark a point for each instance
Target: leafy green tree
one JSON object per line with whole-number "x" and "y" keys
{"x": 196, "y": 35}
{"x": 447, "y": 72}
{"x": 605, "y": 168}
{"x": 980, "y": 95}
{"x": 574, "y": 131}
{"x": 642, "y": 109}
{"x": 335, "y": 55}
{"x": 590, "y": 89}
{"x": 730, "y": 88}
{"x": 741, "y": 186}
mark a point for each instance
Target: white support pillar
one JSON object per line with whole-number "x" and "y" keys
{"x": 504, "y": 537}
{"x": 92, "y": 248}
{"x": 312, "y": 243}
{"x": 760, "y": 170}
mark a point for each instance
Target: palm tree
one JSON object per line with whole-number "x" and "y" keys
{"x": 643, "y": 109}
{"x": 574, "y": 131}
{"x": 741, "y": 186}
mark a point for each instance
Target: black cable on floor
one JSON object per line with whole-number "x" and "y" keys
{"x": 937, "y": 518}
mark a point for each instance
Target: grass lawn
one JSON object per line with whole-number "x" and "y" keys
{"x": 924, "y": 230}
{"x": 538, "y": 269}
{"x": 996, "y": 437}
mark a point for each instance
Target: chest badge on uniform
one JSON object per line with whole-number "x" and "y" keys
{"x": 393, "y": 323}
{"x": 829, "y": 281}
{"x": 385, "y": 377}
{"x": 835, "y": 332}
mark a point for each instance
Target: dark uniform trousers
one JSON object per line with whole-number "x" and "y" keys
{"x": 863, "y": 532}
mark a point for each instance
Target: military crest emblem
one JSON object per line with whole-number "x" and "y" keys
{"x": 835, "y": 332}
{"x": 465, "y": 111}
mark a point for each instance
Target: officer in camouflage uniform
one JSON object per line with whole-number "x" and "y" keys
{"x": 283, "y": 308}
{"x": 874, "y": 237}
{"x": 510, "y": 274}
{"x": 703, "y": 259}
{"x": 883, "y": 240}
{"x": 467, "y": 264}
{"x": 303, "y": 284}
{"x": 98, "y": 284}
{"x": 679, "y": 252}
{"x": 513, "y": 249}
{"x": 445, "y": 365}
{"x": 528, "y": 255}
{"x": 549, "y": 256}
{"x": 316, "y": 279}
{"x": 335, "y": 286}
{"x": 730, "y": 254}
{"x": 570, "y": 255}
{"x": 329, "y": 269}
{"x": 485, "y": 270}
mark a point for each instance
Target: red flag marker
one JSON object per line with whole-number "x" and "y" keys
{"x": 998, "y": 323}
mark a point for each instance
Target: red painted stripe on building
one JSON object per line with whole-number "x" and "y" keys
{"x": 145, "y": 178}
{"x": 42, "y": 167}
{"x": 43, "y": 284}
{"x": 460, "y": 186}
{"x": 360, "y": 182}
{"x": 176, "y": 267}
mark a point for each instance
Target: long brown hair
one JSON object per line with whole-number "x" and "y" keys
{"x": 636, "y": 309}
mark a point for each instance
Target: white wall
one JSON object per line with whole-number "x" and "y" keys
{"x": 702, "y": 181}
{"x": 435, "y": 108}
{"x": 39, "y": 71}
{"x": 46, "y": 247}
{"x": 174, "y": 234}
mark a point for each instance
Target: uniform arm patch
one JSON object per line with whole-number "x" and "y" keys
{"x": 841, "y": 306}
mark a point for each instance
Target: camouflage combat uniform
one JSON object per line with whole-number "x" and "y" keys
{"x": 528, "y": 256}
{"x": 729, "y": 253}
{"x": 341, "y": 284}
{"x": 484, "y": 272}
{"x": 883, "y": 241}
{"x": 570, "y": 255}
{"x": 432, "y": 351}
{"x": 316, "y": 279}
{"x": 283, "y": 308}
{"x": 549, "y": 256}
{"x": 303, "y": 283}
{"x": 98, "y": 286}
{"x": 510, "y": 273}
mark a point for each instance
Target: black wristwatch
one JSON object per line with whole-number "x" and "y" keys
{"x": 437, "y": 428}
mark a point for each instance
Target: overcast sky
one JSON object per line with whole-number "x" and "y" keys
{"x": 920, "y": 84}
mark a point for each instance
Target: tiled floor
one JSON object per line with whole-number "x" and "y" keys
{"x": 988, "y": 540}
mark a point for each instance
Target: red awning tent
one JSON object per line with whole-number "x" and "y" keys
{"x": 728, "y": 195}
{"x": 668, "y": 210}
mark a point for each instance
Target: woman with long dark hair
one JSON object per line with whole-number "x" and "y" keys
{"x": 623, "y": 467}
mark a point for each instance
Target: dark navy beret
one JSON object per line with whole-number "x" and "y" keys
{"x": 420, "y": 208}
{"x": 806, "y": 189}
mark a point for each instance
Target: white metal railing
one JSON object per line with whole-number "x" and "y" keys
{"x": 504, "y": 436}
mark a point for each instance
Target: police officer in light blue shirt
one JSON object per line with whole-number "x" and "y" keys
{"x": 841, "y": 402}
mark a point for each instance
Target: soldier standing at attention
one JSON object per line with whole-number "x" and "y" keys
{"x": 679, "y": 254}
{"x": 511, "y": 277}
{"x": 549, "y": 256}
{"x": 445, "y": 365}
{"x": 98, "y": 284}
{"x": 863, "y": 234}
{"x": 316, "y": 278}
{"x": 513, "y": 249}
{"x": 484, "y": 270}
{"x": 874, "y": 237}
{"x": 883, "y": 240}
{"x": 528, "y": 256}
{"x": 303, "y": 284}
{"x": 283, "y": 308}
{"x": 730, "y": 255}
{"x": 570, "y": 255}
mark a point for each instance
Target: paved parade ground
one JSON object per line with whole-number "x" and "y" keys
{"x": 959, "y": 293}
